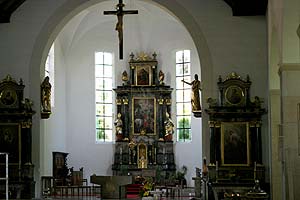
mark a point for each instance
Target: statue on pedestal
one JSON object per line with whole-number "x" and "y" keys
{"x": 169, "y": 125}
{"x": 119, "y": 124}
{"x": 195, "y": 95}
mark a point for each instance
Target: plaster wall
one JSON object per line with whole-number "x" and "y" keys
{"x": 224, "y": 44}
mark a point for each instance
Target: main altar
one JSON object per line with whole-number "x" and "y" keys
{"x": 144, "y": 129}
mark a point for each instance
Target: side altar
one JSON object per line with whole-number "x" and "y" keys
{"x": 235, "y": 122}
{"x": 144, "y": 129}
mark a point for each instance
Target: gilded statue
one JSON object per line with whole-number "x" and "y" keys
{"x": 46, "y": 95}
{"x": 119, "y": 124}
{"x": 125, "y": 77}
{"x": 161, "y": 77}
{"x": 169, "y": 125}
{"x": 195, "y": 95}
{"x": 142, "y": 158}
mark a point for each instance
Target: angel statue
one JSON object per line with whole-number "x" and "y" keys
{"x": 161, "y": 77}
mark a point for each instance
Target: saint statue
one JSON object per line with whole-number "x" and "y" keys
{"x": 195, "y": 95}
{"x": 125, "y": 77}
{"x": 119, "y": 125}
{"x": 46, "y": 95}
{"x": 161, "y": 77}
{"x": 169, "y": 125}
{"x": 142, "y": 158}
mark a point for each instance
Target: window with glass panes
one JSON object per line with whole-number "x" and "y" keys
{"x": 49, "y": 71}
{"x": 183, "y": 96}
{"x": 103, "y": 94}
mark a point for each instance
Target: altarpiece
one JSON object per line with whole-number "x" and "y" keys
{"x": 235, "y": 122}
{"x": 16, "y": 139}
{"x": 143, "y": 145}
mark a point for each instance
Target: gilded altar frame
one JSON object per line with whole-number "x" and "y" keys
{"x": 144, "y": 115}
{"x": 235, "y": 145}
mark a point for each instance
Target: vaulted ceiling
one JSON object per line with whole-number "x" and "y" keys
{"x": 239, "y": 8}
{"x": 7, "y": 7}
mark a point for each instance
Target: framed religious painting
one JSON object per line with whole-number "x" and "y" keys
{"x": 144, "y": 115}
{"x": 143, "y": 75}
{"x": 234, "y": 95}
{"x": 235, "y": 144}
{"x": 10, "y": 141}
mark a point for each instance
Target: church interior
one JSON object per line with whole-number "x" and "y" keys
{"x": 149, "y": 99}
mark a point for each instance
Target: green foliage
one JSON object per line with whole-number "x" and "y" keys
{"x": 180, "y": 174}
{"x": 183, "y": 129}
{"x": 148, "y": 185}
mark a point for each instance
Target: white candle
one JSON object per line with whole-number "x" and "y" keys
{"x": 120, "y": 150}
{"x": 217, "y": 167}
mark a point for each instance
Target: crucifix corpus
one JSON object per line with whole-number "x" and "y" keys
{"x": 119, "y": 26}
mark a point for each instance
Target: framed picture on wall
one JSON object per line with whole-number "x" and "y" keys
{"x": 10, "y": 141}
{"x": 144, "y": 115}
{"x": 143, "y": 75}
{"x": 235, "y": 144}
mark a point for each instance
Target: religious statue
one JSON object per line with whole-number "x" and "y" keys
{"x": 142, "y": 158}
{"x": 125, "y": 77}
{"x": 27, "y": 105}
{"x": 46, "y": 95}
{"x": 169, "y": 125}
{"x": 195, "y": 95}
{"x": 119, "y": 125}
{"x": 161, "y": 77}
{"x": 119, "y": 27}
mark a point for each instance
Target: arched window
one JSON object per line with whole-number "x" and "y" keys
{"x": 183, "y": 101}
{"x": 49, "y": 71}
{"x": 103, "y": 96}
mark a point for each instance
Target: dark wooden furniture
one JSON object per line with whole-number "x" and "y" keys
{"x": 142, "y": 102}
{"x": 60, "y": 169}
{"x": 235, "y": 137}
{"x": 15, "y": 138}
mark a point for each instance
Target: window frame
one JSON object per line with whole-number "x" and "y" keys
{"x": 101, "y": 90}
{"x": 181, "y": 65}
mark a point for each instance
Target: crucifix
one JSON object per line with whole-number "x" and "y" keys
{"x": 119, "y": 26}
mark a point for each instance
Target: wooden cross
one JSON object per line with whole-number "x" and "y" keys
{"x": 119, "y": 26}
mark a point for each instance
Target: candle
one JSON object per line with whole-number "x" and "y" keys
{"x": 217, "y": 167}
{"x": 164, "y": 150}
{"x": 120, "y": 150}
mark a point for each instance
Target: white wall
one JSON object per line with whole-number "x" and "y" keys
{"x": 161, "y": 34}
{"x": 224, "y": 44}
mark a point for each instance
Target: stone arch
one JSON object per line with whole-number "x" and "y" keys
{"x": 71, "y": 8}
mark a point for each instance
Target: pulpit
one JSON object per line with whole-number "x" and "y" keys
{"x": 143, "y": 106}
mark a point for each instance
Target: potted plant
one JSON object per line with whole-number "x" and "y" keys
{"x": 180, "y": 175}
{"x": 148, "y": 185}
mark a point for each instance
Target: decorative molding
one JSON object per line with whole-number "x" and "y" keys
{"x": 288, "y": 67}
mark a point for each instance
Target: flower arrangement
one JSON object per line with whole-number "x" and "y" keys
{"x": 148, "y": 186}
